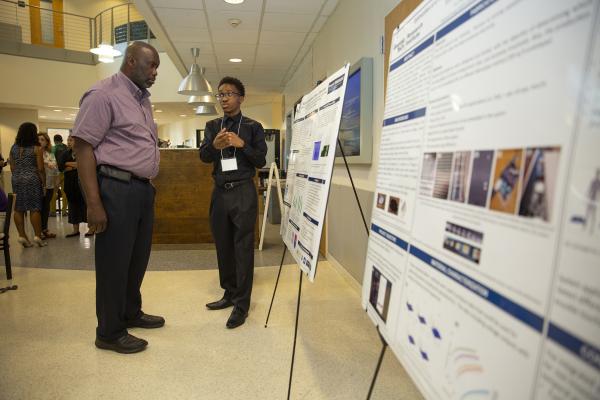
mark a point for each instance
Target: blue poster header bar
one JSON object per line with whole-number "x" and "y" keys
{"x": 587, "y": 352}
{"x": 519, "y": 312}
{"x": 389, "y": 236}
{"x": 461, "y": 19}
{"x": 411, "y": 54}
{"x": 405, "y": 117}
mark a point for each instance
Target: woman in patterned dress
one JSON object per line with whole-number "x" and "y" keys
{"x": 28, "y": 182}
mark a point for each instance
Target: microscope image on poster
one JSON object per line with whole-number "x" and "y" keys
{"x": 506, "y": 180}
{"x": 539, "y": 182}
{"x": 591, "y": 200}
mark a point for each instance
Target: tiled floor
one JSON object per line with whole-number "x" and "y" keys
{"x": 47, "y": 332}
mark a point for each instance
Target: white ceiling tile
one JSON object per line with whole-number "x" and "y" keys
{"x": 269, "y": 56}
{"x": 293, "y": 39}
{"x": 247, "y": 5}
{"x": 319, "y": 24}
{"x": 194, "y": 4}
{"x": 235, "y": 36}
{"x": 220, "y": 19}
{"x": 287, "y": 22}
{"x": 329, "y": 7}
{"x": 311, "y": 38}
{"x": 187, "y": 34}
{"x": 294, "y": 6}
{"x": 180, "y": 17}
{"x": 225, "y": 52}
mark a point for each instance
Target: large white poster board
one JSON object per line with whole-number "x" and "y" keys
{"x": 312, "y": 154}
{"x": 483, "y": 264}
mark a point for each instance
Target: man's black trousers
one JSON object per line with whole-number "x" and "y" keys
{"x": 232, "y": 221}
{"x": 122, "y": 253}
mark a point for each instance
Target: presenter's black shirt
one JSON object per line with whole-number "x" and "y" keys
{"x": 249, "y": 157}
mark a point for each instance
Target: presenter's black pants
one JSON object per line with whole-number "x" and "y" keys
{"x": 232, "y": 220}
{"x": 122, "y": 253}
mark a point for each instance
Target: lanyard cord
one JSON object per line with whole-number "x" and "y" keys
{"x": 238, "y": 133}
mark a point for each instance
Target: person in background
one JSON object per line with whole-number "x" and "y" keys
{"x": 28, "y": 182}
{"x": 67, "y": 164}
{"x": 51, "y": 169}
{"x": 59, "y": 191}
{"x": 236, "y": 146}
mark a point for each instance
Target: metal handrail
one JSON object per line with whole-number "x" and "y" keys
{"x": 78, "y": 32}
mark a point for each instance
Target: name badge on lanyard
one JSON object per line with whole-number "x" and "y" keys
{"x": 230, "y": 164}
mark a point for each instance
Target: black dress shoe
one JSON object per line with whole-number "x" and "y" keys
{"x": 147, "y": 321}
{"x": 126, "y": 344}
{"x": 237, "y": 318}
{"x": 219, "y": 304}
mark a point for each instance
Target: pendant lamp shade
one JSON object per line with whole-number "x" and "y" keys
{"x": 195, "y": 84}
{"x": 202, "y": 100}
{"x": 206, "y": 110}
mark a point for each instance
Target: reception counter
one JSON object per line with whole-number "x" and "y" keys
{"x": 183, "y": 189}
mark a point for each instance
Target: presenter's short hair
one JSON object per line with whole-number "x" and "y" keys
{"x": 235, "y": 82}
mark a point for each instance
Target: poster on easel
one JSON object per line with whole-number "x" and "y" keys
{"x": 310, "y": 166}
{"x": 483, "y": 263}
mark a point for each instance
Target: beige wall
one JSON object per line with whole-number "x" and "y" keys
{"x": 353, "y": 31}
{"x": 268, "y": 114}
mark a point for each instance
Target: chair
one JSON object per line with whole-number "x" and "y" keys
{"x": 4, "y": 241}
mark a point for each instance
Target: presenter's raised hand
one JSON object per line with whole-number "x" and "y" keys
{"x": 220, "y": 141}
{"x": 234, "y": 140}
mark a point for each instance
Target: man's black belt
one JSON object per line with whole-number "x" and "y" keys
{"x": 233, "y": 184}
{"x": 119, "y": 174}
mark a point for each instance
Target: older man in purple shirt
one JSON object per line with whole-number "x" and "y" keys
{"x": 117, "y": 154}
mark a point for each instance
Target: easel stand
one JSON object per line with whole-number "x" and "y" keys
{"x": 300, "y": 282}
{"x": 383, "y": 348}
{"x": 273, "y": 172}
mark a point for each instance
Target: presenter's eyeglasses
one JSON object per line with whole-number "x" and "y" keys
{"x": 220, "y": 96}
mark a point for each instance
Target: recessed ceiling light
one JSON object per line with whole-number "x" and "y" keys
{"x": 157, "y": 110}
{"x": 72, "y": 115}
{"x": 68, "y": 118}
{"x": 183, "y": 115}
{"x": 235, "y": 60}
{"x": 57, "y": 110}
{"x": 43, "y": 116}
{"x": 234, "y": 1}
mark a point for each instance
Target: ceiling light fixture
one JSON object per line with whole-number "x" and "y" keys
{"x": 234, "y": 1}
{"x": 195, "y": 84}
{"x": 206, "y": 109}
{"x": 43, "y": 116}
{"x": 157, "y": 110}
{"x": 106, "y": 53}
{"x": 235, "y": 60}
{"x": 201, "y": 100}
{"x": 57, "y": 110}
{"x": 183, "y": 115}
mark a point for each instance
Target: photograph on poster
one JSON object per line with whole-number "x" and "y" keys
{"x": 463, "y": 249}
{"x": 325, "y": 151}
{"x": 464, "y": 232}
{"x": 428, "y": 174}
{"x": 442, "y": 175}
{"x": 506, "y": 180}
{"x": 480, "y": 177}
{"x": 381, "y": 201}
{"x": 394, "y": 205}
{"x": 459, "y": 176}
{"x": 539, "y": 182}
{"x": 316, "y": 151}
{"x": 381, "y": 290}
{"x": 591, "y": 202}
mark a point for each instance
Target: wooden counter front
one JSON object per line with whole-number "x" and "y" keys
{"x": 183, "y": 189}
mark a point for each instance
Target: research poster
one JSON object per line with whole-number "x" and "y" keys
{"x": 483, "y": 263}
{"x": 312, "y": 154}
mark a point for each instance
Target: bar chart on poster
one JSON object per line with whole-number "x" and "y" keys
{"x": 312, "y": 154}
{"x": 483, "y": 263}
